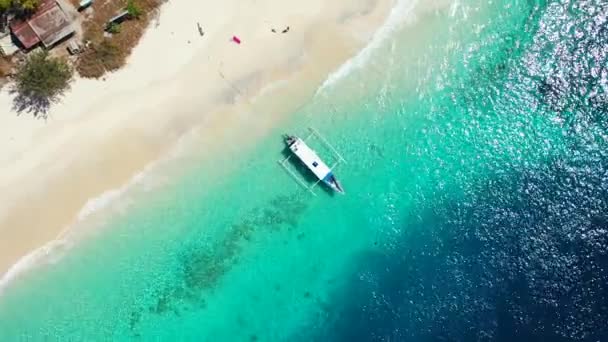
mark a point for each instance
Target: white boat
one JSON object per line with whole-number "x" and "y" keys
{"x": 312, "y": 161}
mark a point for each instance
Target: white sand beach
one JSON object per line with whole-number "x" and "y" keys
{"x": 105, "y": 132}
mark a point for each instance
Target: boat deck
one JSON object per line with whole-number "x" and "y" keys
{"x": 309, "y": 157}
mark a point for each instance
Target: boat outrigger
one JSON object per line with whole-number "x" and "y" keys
{"x": 313, "y": 162}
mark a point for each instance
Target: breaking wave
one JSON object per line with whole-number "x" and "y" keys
{"x": 51, "y": 251}
{"x": 396, "y": 18}
{"x": 41, "y": 254}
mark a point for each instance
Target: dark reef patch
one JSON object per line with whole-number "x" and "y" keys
{"x": 203, "y": 265}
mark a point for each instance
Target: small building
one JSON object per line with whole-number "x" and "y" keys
{"x": 48, "y": 25}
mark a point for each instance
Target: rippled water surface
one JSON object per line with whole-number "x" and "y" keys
{"x": 511, "y": 239}
{"x": 477, "y": 193}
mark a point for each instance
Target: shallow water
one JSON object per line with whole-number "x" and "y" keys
{"x": 475, "y": 209}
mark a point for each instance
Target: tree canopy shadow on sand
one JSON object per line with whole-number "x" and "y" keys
{"x": 31, "y": 104}
{"x": 39, "y": 82}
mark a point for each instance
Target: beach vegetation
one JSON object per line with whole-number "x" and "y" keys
{"x": 28, "y": 5}
{"x": 103, "y": 53}
{"x": 109, "y": 55}
{"x": 134, "y": 10}
{"x": 5, "y": 5}
{"x": 99, "y": 59}
{"x": 5, "y": 68}
{"x": 113, "y": 28}
{"x": 18, "y": 5}
{"x": 40, "y": 81}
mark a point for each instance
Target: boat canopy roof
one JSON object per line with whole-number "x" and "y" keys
{"x": 310, "y": 158}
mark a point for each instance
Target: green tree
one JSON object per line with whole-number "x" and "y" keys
{"x": 26, "y": 5}
{"x": 5, "y": 5}
{"x": 133, "y": 9}
{"x": 40, "y": 81}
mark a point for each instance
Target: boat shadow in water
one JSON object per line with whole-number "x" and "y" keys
{"x": 306, "y": 175}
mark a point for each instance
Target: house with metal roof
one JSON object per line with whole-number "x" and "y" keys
{"x": 47, "y": 26}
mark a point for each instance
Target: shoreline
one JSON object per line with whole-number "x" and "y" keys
{"x": 53, "y": 169}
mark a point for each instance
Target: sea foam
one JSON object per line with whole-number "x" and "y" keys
{"x": 33, "y": 258}
{"x": 51, "y": 251}
{"x": 102, "y": 201}
{"x": 396, "y": 18}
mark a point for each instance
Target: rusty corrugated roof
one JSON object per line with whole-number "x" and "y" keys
{"x": 48, "y": 25}
{"x": 25, "y": 34}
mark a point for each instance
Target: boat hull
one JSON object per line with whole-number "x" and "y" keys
{"x": 313, "y": 162}
{"x": 331, "y": 181}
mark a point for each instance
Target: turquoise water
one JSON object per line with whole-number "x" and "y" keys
{"x": 476, "y": 192}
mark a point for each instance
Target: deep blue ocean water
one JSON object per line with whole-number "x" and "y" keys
{"x": 477, "y": 178}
